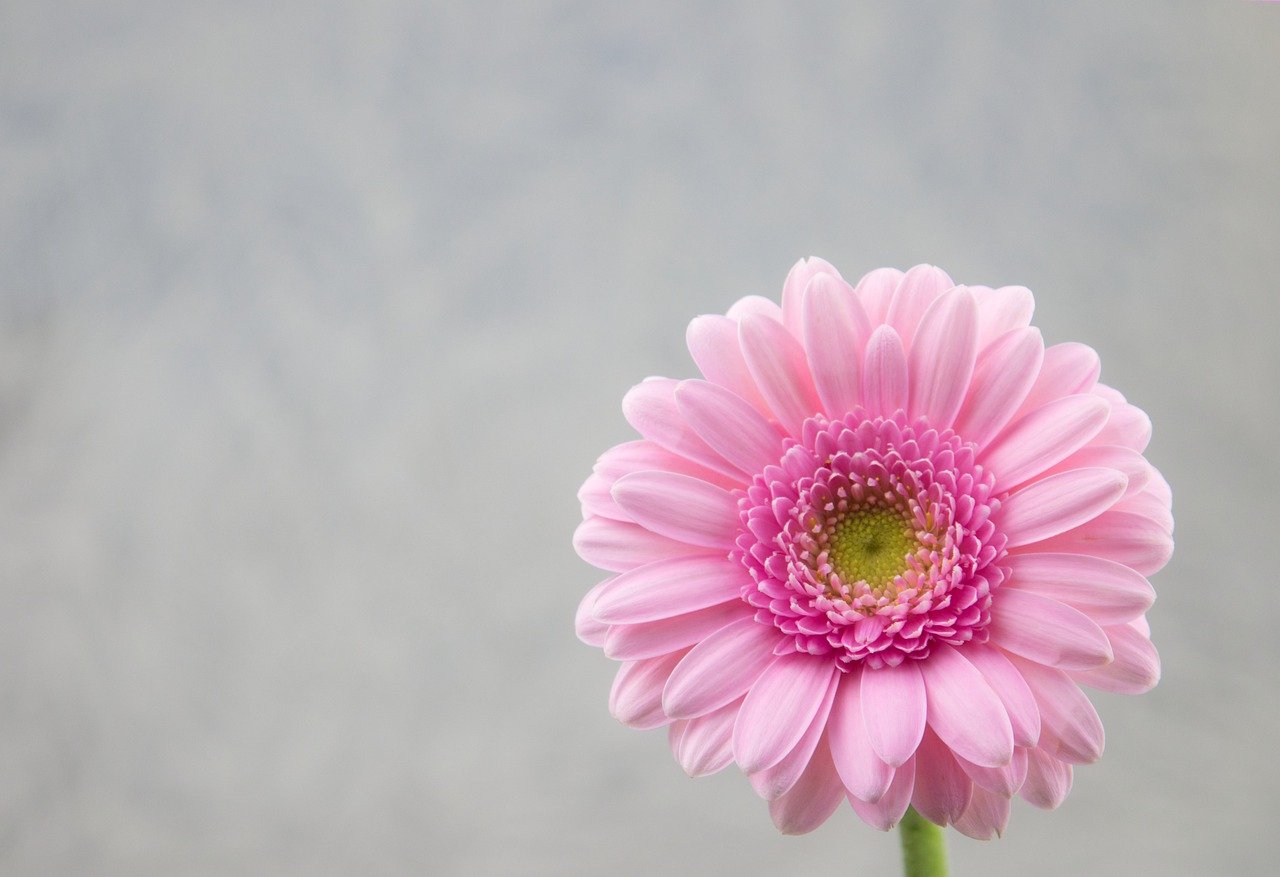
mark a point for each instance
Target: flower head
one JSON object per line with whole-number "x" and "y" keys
{"x": 872, "y": 554}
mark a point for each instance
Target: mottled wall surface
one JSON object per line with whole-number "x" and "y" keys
{"x": 314, "y": 315}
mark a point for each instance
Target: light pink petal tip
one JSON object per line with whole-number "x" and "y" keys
{"x": 778, "y": 709}
{"x": 812, "y": 799}
{"x": 894, "y": 707}
{"x": 1002, "y": 377}
{"x": 1070, "y": 728}
{"x": 795, "y": 290}
{"x": 1044, "y": 437}
{"x": 875, "y": 292}
{"x": 1048, "y": 632}
{"x": 942, "y": 357}
{"x": 774, "y": 782}
{"x": 619, "y": 545}
{"x": 636, "y": 698}
{"x": 884, "y": 374}
{"x": 885, "y": 813}
{"x": 713, "y": 343}
{"x": 720, "y": 669}
{"x": 648, "y": 639}
{"x": 1002, "y": 310}
{"x": 704, "y": 745}
{"x": 1059, "y": 503}
{"x": 865, "y": 774}
{"x": 986, "y": 817}
{"x": 916, "y": 291}
{"x": 836, "y": 330}
{"x": 679, "y": 507}
{"x": 730, "y": 425}
{"x": 666, "y": 588}
{"x": 650, "y": 407}
{"x": 964, "y": 711}
{"x": 942, "y": 789}
{"x": 777, "y": 362}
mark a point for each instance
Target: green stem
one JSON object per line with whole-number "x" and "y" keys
{"x": 924, "y": 851}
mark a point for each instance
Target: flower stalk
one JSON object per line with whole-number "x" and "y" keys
{"x": 924, "y": 850}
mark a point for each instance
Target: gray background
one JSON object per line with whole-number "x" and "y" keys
{"x": 314, "y": 315}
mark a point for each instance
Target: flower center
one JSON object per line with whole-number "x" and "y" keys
{"x": 871, "y": 540}
{"x": 871, "y": 545}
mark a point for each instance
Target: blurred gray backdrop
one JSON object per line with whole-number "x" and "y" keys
{"x": 314, "y": 316}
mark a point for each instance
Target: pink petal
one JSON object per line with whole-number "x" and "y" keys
{"x": 636, "y": 697}
{"x": 642, "y": 455}
{"x": 650, "y": 407}
{"x": 779, "y": 708}
{"x": 1003, "y": 781}
{"x": 680, "y": 507}
{"x": 1068, "y": 369}
{"x": 894, "y": 707}
{"x": 667, "y": 588}
{"x": 1057, "y": 504}
{"x": 720, "y": 669}
{"x": 1106, "y": 591}
{"x": 1135, "y": 670}
{"x": 1134, "y": 466}
{"x": 1002, "y": 310}
{"x": 964, "y": 710}
{"x": 1128, "y": 426}
{"x": 1047, "y": 632}
{"x": 1011, "y": 688}
{"x": 754, "y": 306}
{"x": 1159, "y": 487}
{"x": 884, "y": 375}
{"x": 705, "y": 744}
{"x": 597, "y": 500}
{"x": 1048, "y": 781}
{"x": 875, "y": 292}
{"x": 885, "y": 813}
{"x": 1044, "y": 437}
{"x": 942, "y": 357}
{"x": 774, "y": 782}
{"x": 1124, "y": 537}
{"x": 915, "y": 293}
{"x": 814, "y": 797}
{"x": 864, "y": 774}
{"x": 795, "y": 289}
{"x": 986, "y": 817}
{"x": 1070, "y": 727}
{"x": 619, "y": 546}
{"x": 1004, "y": 373}
{"x": 777, "y": 362}
{"x": 631, "y": 642}
{"x": 1149, "y": 505}
{"x": 588, "y": 629}
{"x": 835, "y": 334}
{"x": 942, "y": 790}
{"x": 713, "y": 343}
{"x": 729, "y": 425}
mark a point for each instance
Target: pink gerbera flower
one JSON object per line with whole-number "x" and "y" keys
{"x": 875, "y": 551}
